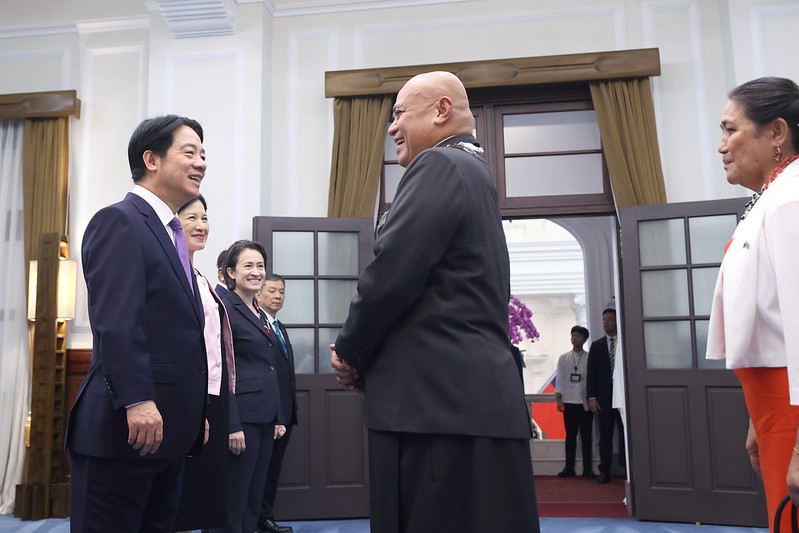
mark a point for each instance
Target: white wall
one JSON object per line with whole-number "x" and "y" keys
{"x": 260, "y": 92}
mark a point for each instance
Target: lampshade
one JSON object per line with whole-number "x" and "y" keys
{"x": 67, "y": 279}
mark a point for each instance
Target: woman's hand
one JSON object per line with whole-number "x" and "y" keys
{"x": 752, "y": 448}
{"x": 236, "y": 442}
{"x": 280, "y": 430}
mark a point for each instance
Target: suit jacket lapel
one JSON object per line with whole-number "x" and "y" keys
{"x": 168, "y": 246}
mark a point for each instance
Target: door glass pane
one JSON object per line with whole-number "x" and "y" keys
{"x": 661, "y": 242}
{"x": 668, "y": 344}
{"x": 327, "y": 336}
{"x": 551, "y": 132}
{"x": 704, "y": 280}
{"x": 292, "y": 253}
{"x": 299, "y": 305}
{"x": 302, "y": 342}
{"x": 701, "y": 347}
{"x": 708, "y": 236}
{"x": 334, "y": 300}
{"x": 665, "y": 292}
{"x": 553, "y": 175}
{"x": 338, "y": 253}
{"x": 393, "y": 174}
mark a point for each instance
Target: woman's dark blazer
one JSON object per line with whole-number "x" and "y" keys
{"x": 257, "y": 400}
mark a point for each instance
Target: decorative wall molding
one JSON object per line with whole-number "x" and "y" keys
{"x": 283, "y": 8}
{"x": 293, "y": 107}
{"x": 198, "y": 18}
{"x": 81, "y": 26}
{"x": 649, "y": 12}
{"x": 62, "y": 54}
{"x": 758, "y": 16}
{"x": 614, "y": 11}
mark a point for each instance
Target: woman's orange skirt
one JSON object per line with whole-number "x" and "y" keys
{"x": 775, "y": 421}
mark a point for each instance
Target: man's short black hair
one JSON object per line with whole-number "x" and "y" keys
{"x": 275, "y": 277}
{"x": 155, "y": 134}
{"x": 581, "y": 330}
{"x": 220, "y": 260}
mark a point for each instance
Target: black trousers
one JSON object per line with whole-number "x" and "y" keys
{"x": 578, "y": 420}
{"x": 422, "y": 483}
{"x": 124, "y": 495}
{"x": 608, "y": 419}
{"x": 273, "y": 477}
{"x": 248, "y": 478}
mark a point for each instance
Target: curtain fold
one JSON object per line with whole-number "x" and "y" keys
{"x": 359, "y": 137}
{"x": 45, "y": 168}
{"x": 626, "y": 116}
{"x": 14, "y": 365}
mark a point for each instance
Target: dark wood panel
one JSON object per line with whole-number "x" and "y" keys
{"x": 345, "y": 435}
{"x": 729, "y": 462}
{"x": 670, "y": 437}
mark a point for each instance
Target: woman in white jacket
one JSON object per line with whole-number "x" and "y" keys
{"x": 754, "y": 322}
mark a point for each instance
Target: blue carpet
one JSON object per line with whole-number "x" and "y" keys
{"x": 10, "y": 524}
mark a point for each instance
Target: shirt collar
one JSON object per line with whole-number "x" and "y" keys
{"x": 162, "y": 210}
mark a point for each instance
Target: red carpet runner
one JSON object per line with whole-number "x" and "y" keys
{"x": 578, "y": 497}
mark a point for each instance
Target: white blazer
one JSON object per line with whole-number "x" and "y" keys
{"x": 754, "y": 320}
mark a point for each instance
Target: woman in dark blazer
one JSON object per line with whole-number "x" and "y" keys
{"x": 255, "y": 408}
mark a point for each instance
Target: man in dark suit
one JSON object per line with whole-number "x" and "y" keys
{"x": 271, "y": 299}
{"x": 140, "y": 410}
{"x": 426, "y": 338}
{"x": 221, "y": 289}
{"x": 599, "y": 389}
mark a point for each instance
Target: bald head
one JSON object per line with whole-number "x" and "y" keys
{"x": 430, "y": 107}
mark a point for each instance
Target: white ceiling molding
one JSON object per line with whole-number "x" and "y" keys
{"x": 197, "y": 18}
{"x": 292, "y": 8}
{"x": 80, "y": 26}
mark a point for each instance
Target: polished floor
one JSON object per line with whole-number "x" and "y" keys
{"x": 9, "y": 524}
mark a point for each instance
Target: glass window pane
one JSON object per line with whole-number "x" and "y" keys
{"x": 389, "y": 149}
{"x": 327, "y": 336}
{"x": 299, "y": 305}
{"x": 302, "y": 342}
{"x": 708, "y": 235}
{"x": 292, "y": 253}
{"x": 668, "y": 344}
{"x": 701, "y": 347}
{"x": 554, "y": 175}
{"x": 665, "y": 293}
{"x": 661, "y": 242}
{"x": 393, "y": 175}
{"x": 334, "y": 300}
{"x": 338, "y": 253}
{"x": 704, "y": 280}
{"x": 551, "y": 132}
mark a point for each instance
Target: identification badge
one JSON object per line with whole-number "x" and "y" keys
{"x": 575, "y": 378}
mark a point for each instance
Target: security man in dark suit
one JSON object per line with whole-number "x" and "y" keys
{"x": 271, "y": 298}
{"x": 426, "y": 338}
{"x": 140, "y": 410}
{"x": 599, "y": 389}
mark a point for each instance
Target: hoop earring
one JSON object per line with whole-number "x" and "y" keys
{"x": 778, "y": 154}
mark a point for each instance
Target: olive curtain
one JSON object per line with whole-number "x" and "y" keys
{"x": 626, "y": 116}
{"x": 45, "y": 179}
{"x": 360, "y": 125}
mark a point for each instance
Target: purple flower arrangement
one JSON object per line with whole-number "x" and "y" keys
{"x": 520, "y": 322}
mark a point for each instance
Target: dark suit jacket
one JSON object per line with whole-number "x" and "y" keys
{"x": 287, "y": 381}
{"x": 147, "y": 329}
{"x": 428, "y": 328}
{"x": 257, "y": 399}
{"x": 599, "y": 381}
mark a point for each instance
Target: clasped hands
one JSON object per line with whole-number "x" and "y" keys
{"x": 346, "y": 376}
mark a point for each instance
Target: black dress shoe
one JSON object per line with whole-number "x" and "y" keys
{"x": 604, "y": 479}
{"x": 270, "y": 526}
{"x": 566, "y": 473}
